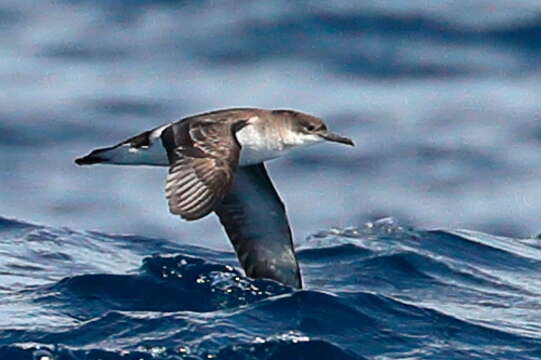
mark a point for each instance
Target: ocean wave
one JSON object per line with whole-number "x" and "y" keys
{"x": 382, "y": 289}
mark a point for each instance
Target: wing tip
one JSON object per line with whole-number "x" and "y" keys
{"x": 191, "y": 215}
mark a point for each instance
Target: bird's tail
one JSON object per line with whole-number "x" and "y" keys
{"x": 95, "y": 157}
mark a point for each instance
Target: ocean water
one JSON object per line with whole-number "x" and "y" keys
{"x": 379, "y": 291}
{"x": 442, "y": 99}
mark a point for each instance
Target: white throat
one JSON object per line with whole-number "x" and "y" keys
{"x": 258, "y": 145}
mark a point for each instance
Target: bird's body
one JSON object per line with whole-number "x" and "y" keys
{"x": 215, "y": 164}
{"x": 259, "y": 142}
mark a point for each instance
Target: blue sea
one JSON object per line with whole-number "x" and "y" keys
{"x": 380, "y": 291}
{"x": 422, "y": 242}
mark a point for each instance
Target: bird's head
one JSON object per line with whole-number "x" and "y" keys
{"x": 304, "y": 129}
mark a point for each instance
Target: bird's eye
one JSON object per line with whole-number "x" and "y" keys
{"x": 310, "y": 127}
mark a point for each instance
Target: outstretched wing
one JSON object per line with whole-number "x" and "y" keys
{"x": 255, "y": 220}
{"x": 203, "y": 155}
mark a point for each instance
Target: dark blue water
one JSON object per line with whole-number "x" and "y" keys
{"x": 379, "y": 291}
{"x": 442, "y": 99}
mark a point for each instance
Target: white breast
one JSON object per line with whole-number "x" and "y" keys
{"x": 258, "y": 147}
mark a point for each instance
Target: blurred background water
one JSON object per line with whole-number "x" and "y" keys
{"x": 442, "y": 98}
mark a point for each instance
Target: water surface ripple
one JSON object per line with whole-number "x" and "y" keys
{"x": 376, "y": 291}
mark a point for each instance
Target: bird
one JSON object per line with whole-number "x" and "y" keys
{"x": 216, "y": 163}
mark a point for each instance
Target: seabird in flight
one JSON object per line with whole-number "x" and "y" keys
{"x": 216, "y": 164}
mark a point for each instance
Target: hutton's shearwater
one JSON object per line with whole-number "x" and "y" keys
{"x": 216, "y": 163}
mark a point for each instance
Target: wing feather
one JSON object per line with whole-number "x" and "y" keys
{"x": 255, "y": 220}
{"x": 204, "y": 155}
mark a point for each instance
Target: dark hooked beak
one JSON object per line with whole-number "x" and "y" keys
{"x": 329, "y": 136}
